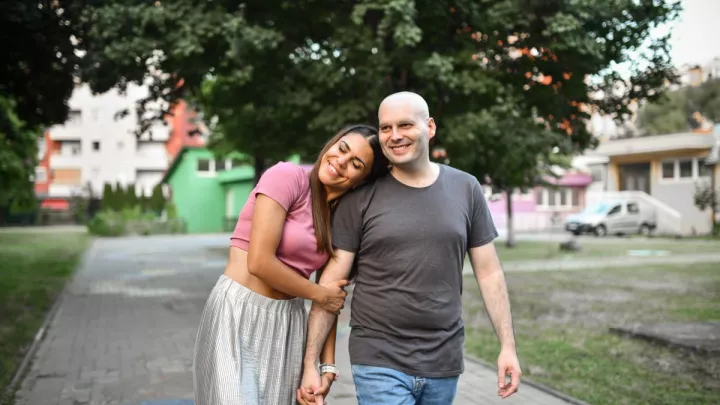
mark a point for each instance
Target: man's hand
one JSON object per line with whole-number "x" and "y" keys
{"x": 508, "y": 364}
{"x": 316, "y": 397}
{"x": 312, "y": 387}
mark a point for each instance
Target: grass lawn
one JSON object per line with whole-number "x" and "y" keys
{"x": 33, "y": 270}
{"x": 532, "y": 250}
{"x": 562, "y": 319}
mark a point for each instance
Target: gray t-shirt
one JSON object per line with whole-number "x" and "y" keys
{"x": 410, "y": 244}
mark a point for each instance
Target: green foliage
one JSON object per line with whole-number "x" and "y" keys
{"x": 143, "y": 201}
{"x": 674, "y": 113}
{"x": 157, "y": 200}
{"x": 133, "y": 221}
{"x": 706, "y": 196}
{"x": 270, "y": 86}
{"x": 37, "y": 66}
{"x": 171, "y": 210}
{"x": 107, "y": 223}
{"x": 18, "y": 157}
{"x": 107, "y": 197}
{"x": 131, "y": 198}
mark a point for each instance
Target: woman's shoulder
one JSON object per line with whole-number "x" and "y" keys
{"x": 288, "y": 171}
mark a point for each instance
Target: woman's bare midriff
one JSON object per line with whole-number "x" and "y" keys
{"x": 237, "y": 270}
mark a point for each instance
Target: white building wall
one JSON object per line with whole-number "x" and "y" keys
{"x": 109, "y": 151}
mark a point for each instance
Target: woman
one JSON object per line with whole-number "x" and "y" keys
{"x": 252, "y": 333}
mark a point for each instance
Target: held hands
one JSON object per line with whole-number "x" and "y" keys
{"x": 314, "y": 387}
{"x": 333, "y": 298}
{"x": 508, "y": 364}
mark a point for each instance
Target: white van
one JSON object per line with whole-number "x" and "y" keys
{"x": 619, "y": 217}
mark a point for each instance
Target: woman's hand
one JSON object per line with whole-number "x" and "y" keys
{"x": 332, "y": 298}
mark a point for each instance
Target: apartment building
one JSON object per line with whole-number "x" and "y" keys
{"x": 97, "y": 145}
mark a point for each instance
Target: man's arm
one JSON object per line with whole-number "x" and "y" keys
{"x": 320, "y": 321}
{"x": 491, "y": 280}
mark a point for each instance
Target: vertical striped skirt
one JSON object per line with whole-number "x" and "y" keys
{"x": 249, "y": 348}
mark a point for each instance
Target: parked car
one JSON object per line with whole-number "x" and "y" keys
{"x": 620, "y": 217}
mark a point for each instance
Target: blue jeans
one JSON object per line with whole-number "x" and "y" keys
{"x": 384, "y": 386}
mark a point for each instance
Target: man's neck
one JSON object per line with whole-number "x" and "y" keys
{"x": 417, "y": 175}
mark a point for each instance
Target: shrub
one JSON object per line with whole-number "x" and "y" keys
{"x": 133, "y": 221}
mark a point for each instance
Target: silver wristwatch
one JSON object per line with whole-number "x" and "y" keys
{"x": 330, "y": 368}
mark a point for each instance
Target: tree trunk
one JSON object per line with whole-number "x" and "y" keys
{"x": 259, "y": 166}
{"x": 509, "y": 222}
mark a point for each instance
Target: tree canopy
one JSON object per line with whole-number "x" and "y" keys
{"x": 681, "y": 110}
{"x": 37, "y": 65}
{"x": 278, "y": 78}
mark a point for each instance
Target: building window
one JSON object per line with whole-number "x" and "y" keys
{"x": 235, "y": 162}
{"x": 596, "y": 172}
{"x": 220, "y": 165}
{"x": 96, "y": 145}
{"x": 75, "y": 117}
{"x": 40, "y": 175}
{"x": 686, "y": 169}
{"x": 203, "y": 166}
{"x": 563, "y": 198}
{"x": 668, "y": 170}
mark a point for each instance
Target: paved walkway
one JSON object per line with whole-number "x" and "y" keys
{"x": 124, "y": 332}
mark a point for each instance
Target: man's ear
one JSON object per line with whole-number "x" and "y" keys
{"x": 432, "y": 128}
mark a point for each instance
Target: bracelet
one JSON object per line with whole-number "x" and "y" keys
{"x": 330, "y": 368}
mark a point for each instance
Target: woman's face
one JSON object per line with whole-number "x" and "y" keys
{"x": 347, "y": 163}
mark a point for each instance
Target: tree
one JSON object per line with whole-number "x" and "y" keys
{"x": 37, "y": 67}
{"x": 119, "y": 197}
{"x": 108, "y": 197}
{"x": 274, "y": 86}
{"x": 18, "y": 157}
{"x": 677, "y": 111}
{"x": 157, "y": 200}
{"x": 143, "y": 201}
{"x": 131, "y": 198}
{"x": 706, "y": 196}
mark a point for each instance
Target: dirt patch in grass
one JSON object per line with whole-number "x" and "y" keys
{"x": 562, "y": 320}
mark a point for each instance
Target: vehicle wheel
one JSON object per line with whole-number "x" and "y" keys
{"x": 645, "y": 230}
{"x": 600, "y": 230}
{"x": 576, "y": 233}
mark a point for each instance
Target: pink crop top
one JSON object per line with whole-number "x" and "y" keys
{"x": 289, "y": 185}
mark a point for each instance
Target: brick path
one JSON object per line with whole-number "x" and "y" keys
{"x": 125, "y": 330}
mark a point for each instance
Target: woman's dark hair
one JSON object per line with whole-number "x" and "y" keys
{"x": 320, "y": 206}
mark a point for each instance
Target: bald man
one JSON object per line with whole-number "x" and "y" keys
{"x": 407, "y": 235}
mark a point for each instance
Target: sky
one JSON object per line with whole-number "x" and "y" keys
{"x": 694, "y": 34}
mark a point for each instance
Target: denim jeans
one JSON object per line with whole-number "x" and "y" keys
{"x": 384, "y": 386}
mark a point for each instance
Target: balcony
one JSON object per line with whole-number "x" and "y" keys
{"x": 66, "y": 133}
{"x": 151, "y": 162}
{"x": 64, "y": 190}
{"x": 65, "y": 161}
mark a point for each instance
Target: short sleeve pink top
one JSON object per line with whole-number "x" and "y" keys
{"x": 289, "y": 185}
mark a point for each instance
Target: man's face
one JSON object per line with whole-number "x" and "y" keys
{"x": 404, "y": 134}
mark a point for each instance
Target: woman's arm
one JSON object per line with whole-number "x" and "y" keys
{"x": 267, "y": 227}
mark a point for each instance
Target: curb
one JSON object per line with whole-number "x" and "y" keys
{"x": 531, "y": 383}
{"x": 40, "y": 335}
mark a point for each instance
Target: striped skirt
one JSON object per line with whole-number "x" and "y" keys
{"x": 249, "y": 348}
